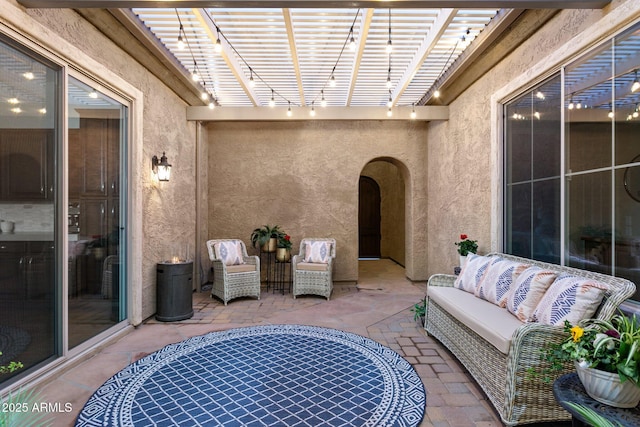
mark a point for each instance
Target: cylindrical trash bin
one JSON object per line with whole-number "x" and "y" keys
{"x": 174, "y": 291}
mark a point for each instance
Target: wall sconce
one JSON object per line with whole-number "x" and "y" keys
{"x": 161, "y": 167}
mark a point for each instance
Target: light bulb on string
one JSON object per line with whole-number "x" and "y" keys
{"x": 390, "y": 101}
{"x": 352, "y": 43}
{"x": 436, "y": 94}
{"x": 272, "y": 101}
{"x": 571, "y": 105}
{"x": 312, "y": 113}
{"x": 636, "y": 84}
{"x": 635, "y": 112}
{"x": 332, "y": 81}
{"x": 180, "y": 40}
{"x": 413, "y": 111}
{"x": 289, "y": 113}
{"x": 389, "y": 112}
{"x": 252, "y": 82}
{"x": 218, "y": 47}
{"x": 323, "y": 102}
{"x": 204, "y": 95}
{"x": 195, "y": 76}
{"x": 212, "y": 105}
{"x": 389, "y": 47}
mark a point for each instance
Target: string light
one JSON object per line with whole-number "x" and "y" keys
{"x": 195, "y": 76}
{"x": 93, "y": 94}
{"x": 180, "y": 41}
{"x": 571, "y": 105}
{"x": 332, "y": 81}
{"x": 212, "y": 105}
{"x": 413, "y": 110}
{"x": 218, "y": 42}
{"x": 252, "y": 82}
{"x": 636, "y": 84}
{"x": 312, "y": 113}
{"x": 390, "y": 101}
{"x": 323, "y": 102}
{"x": 289, "y": 113}
{"x": 272, "y": 101}
{"x": 389, "y": 45}
{"x": 436, "y": 94}
{"x": 352, "y": 43}
{"x": 389, "y": 112}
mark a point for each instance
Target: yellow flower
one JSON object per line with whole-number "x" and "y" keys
{"x": 576, "y": 333}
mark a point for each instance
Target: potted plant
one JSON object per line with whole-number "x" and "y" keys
{"x": 283, "y": 253}
{"x": 266, "y": 237}
{"x": 419, "y": 311}
{"x": 606, "y": 355}
{"x": 466, "y": 246}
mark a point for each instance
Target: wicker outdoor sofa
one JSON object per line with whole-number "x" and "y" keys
{"x": 519, "y": 396}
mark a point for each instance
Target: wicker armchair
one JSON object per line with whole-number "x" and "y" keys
{"x": 233, "y": 278}
{"x": 313, "y": 276}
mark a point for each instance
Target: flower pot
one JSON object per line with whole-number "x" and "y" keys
{"x": 270, "y": 246}
{"x": 283, "y": 254}
{"x": 463, "y": 261}
{"x": 606, "y": 387}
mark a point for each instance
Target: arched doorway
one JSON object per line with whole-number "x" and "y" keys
{"x": 368, "y": 218}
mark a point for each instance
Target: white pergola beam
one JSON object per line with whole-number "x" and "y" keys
{"x": 227, "y": 54}
{"x": 286, "y": 14}
{"x": 406, "y": 4}
{"x": 239, "y": 114}
{"x": 438, "y": 28}
{"x": 365, "y": 23}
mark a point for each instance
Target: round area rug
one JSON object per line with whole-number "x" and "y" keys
{"x": 276, "y": 375}
{"x": 13, "y": 341}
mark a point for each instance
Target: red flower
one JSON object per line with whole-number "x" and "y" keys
{"x": 463, "y": 237}
{"x": 287, "y": 237}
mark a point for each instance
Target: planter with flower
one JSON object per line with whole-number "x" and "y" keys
{"x": 266, "y": 237}
{"x": 606, "y": 355}
{"x": 283, "y": 253}
{"x": 466, "y": 246}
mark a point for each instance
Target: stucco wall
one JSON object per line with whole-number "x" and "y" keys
{"x": 304, "y": 176}
{"x": 168, "y": 209}
{"x": 462, "y": 165}
{"x": 392, "y": 208}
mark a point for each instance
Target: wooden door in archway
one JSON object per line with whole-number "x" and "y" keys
{"x": 369, "y": 218}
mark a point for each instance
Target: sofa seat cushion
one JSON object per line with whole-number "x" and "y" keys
{"x": 241, "y": 268}
{"x": 311, "y": 266}
{"x": 494, "y": 324}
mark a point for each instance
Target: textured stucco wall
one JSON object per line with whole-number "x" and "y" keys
{"x": 392, "y": 208}
{"x": 304, "y": 177}
{"x": 168, "y": 209}
{"x": 461, "y": 161}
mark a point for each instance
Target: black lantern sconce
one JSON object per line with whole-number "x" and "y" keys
{"x": 161, "y": 167}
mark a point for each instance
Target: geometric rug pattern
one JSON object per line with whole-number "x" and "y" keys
{"x": 274, "y": 375}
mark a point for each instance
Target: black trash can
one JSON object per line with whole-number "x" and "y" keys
{"x": 174, "y": 293}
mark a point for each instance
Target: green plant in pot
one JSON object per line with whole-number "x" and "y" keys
{"x": 283, "y": 253}
{"x": 419, "y": 311}
{"x": 266, "y": 237}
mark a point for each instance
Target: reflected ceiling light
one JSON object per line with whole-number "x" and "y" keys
{"x": 579, "y": 106}
{"x": 16, "y": 110}
{"x": 13, "y": 101}
{"x": 571, "y": 105}
{"x": 28, "y": 75}
{"x": 611, "y": 115}
{"x": 42, "y": 111}
{"x": 635, "y": 112}
{"x": 323, "y": 102}
{"x": 93, "y": 94}
{"x": 540, "y": 95}
{"x": 413, "y": 111}
{"x": 636, "y": 84}
{"x": 536, "y": 115}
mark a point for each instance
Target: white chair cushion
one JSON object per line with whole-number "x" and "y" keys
{"x": 229, "y": 252}
{"x": 240, "y": 268}
{"x": 491, "y": 322}
{"x": 311, "y": 266}
{"x": 472, "y": 273}
{"x": 498, "y": 280}
{"x": 569, "y": 298}
{"x": 528, "y": 290}
{"x": 317, "y": 252}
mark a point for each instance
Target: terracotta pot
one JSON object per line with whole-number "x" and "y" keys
{"x": 607, "y": 388}
{"x": 283, "y": 254}
{"x": 270, "y": 246}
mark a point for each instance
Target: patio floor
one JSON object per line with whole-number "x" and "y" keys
{"x": 377, "y": 307}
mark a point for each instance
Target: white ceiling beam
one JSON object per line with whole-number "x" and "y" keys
{"x": 438, "y": 28}
{"x": 239, "y": 114}
{"x": 286, "y": 14}
{"x": 407, "y": 4}
{"x": 366, "y": 16}
{"x": 227, "y": 54}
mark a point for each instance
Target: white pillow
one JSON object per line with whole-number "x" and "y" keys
{"x": 472, "y": 273}
{"x": 230, "y": 252}
{"x": 317, "y": 252}
{"x": 498, "y": 280}
{"x": 569, "y": 298}
{"x": 528, "y": 290}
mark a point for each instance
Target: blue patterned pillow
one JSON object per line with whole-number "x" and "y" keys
{"x": 498, "y": 280}
{"x": 317, "y": 252}
{"x": 569, "y": 298}
{"x": 528, "y": 290}
{"x": 229, "y": 252}
{"x": 472, "y": 273}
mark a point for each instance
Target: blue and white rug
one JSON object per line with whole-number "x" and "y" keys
{"x": 276, "y": 375}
